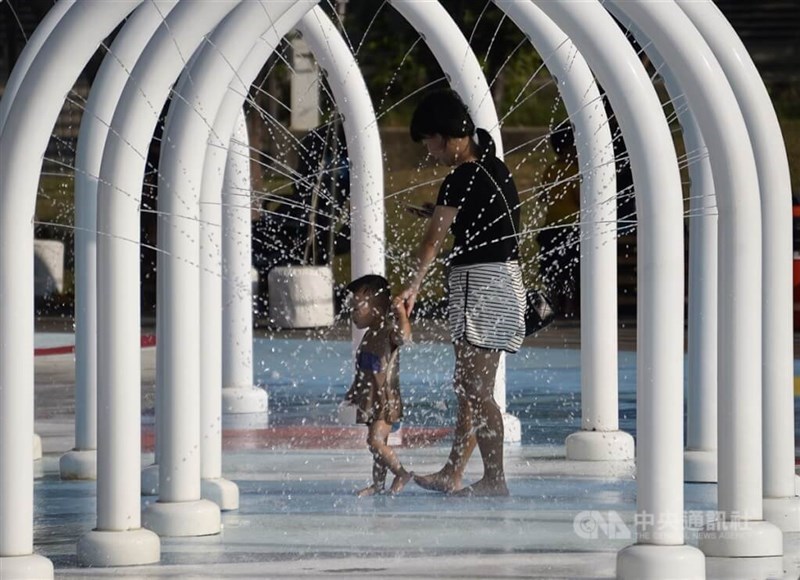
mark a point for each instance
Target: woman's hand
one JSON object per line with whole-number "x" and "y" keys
{"x": 407, "y": 298}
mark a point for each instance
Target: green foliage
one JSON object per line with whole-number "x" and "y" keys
{"x": 397, "y": 64}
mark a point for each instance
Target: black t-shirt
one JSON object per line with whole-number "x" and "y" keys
{"x": 487, "y": 222}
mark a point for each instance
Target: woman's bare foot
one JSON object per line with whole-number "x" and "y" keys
{"x": 438, "y": 482}
{"x": 400, "y": 481}
{"x": 369, "y": 490}
{"x": 484, "y": 488}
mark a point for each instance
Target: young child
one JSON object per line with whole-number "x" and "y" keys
{"x": 376, "y": 387}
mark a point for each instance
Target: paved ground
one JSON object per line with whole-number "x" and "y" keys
{"x": 299, "y": 518}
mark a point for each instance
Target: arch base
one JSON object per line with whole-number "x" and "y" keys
{"x": 183, "y": 518}
{"x": 784, "y": 512}
{"x": 248, "y": 400}
{"x": 654, "y": 562}
{"x": 78, "y": 464}
{"x": 222, "y": 492}
{"x": 744, "y": 568}
{"x": 100, "y": 548}
{"x": 741, "y": 539}
{"x": 31, "y": 566}
{"x": 600, "y": 446}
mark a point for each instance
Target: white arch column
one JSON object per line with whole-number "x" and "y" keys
{"x": 743, "y": 536}
{"x": 463, "y": 71}
{"x": 781, "y": 505}
{"x": 21, "y": 66}
{"x": 240, "y": 398}
{"x": 201, "y": 91}
{"x": 366, "y": 172}
{"x": 119, "y": 195}
{"x": 700, "y": 454}
{"x": 81, "y": 462}
{"x": 599, "y": 438}
{"x": 660, "y": 329}
{"x": 24, "y": 139}
{"x": 363, "y": 141}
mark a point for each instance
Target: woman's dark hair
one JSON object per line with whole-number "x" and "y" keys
{"x": 443, "y": 113}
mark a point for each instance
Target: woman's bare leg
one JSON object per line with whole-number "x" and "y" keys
{"x": 448, "y": 478}
{"x": 487, "y": 420}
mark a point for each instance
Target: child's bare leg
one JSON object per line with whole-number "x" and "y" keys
{"x": 448, "y": 478}
{"x": 378, "y": 438}
{"x": 378, "y": 480}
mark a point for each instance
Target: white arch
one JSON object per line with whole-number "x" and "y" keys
{"x": 660, "y": 352}
{"x": 238, "y": 393}
{"x": 29, "y": 53}
{"x": 198, "y": 97}
{"x": 781, "y": 506}
{"x": 363, "y": 140}
{"x": 24, "y": 139}
{"x": 456, "y": 58}
{"x": 734, "y": 170}
{"x": 599, "y": 438}
{"x": 700, "y": 456}
{"x": 81, "y": 462}
{"x": 21, "y": 66}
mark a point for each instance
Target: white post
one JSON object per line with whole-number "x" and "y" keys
{"x": 781, "y": 506}
{"x": 81, "y": 462}
{"x": 29, "y": 123}
{"x": 190, "y": 120}
{"x": 700, "y": 455}
{"x": 21, "y": 66}
{"x": 240, "y": 398}
{"x": 660, "y": 323}
{"x": 243, "y": 404}
{"x": 119, "y": 193}
{"x": 363, "y": 142}
{"x": 742, "y": 533}
{"x": 599, "y": 437}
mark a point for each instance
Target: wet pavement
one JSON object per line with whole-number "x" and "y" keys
{"x": 299, "y": 517}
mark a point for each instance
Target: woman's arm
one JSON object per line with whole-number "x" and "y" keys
{"x": 437, "y": 229}
{"x": 402, "y": 324}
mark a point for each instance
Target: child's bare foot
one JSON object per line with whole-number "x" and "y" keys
{"x": 369, "y": 490}
{"x": 400, "y": 481}
{"x": 484, "y": 488}
{"x": 437, "y": 482}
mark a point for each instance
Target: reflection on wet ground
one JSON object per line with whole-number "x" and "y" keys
{"x": 299, "y": 517}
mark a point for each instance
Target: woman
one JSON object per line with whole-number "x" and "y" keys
{"x": 479, "y": 203}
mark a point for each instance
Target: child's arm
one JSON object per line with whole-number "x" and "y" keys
{"x": 403, "y": 325}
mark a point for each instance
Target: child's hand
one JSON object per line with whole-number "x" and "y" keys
{"x": 399, "y": 305}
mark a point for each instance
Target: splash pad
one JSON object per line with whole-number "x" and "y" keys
{"x": 731, "y": 111}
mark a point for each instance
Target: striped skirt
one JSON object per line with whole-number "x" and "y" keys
{"x": 486, "y": 305}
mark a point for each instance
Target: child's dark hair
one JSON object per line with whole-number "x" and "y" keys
{"x": 443, "y": 113}
{"x": 374, "y": 284}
